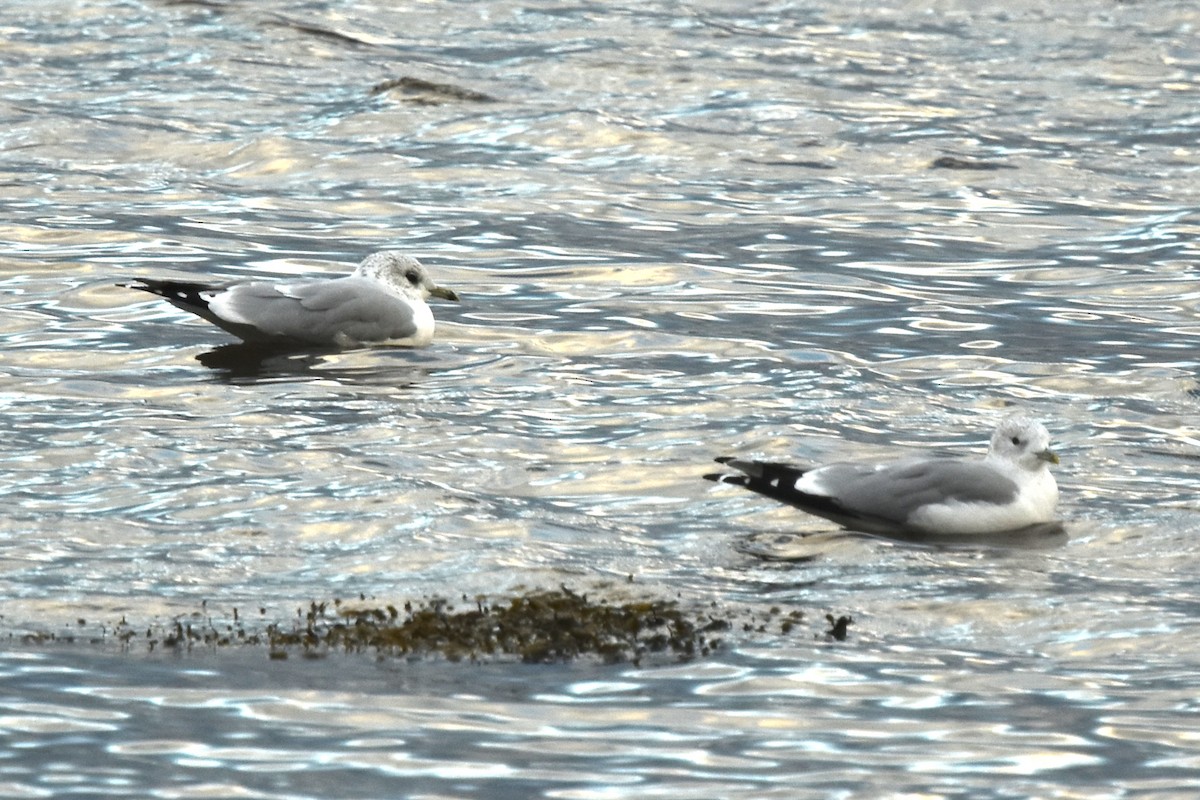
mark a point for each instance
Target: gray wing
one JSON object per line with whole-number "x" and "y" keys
{"x": 894, "y": 491}
{"x": 314, "y": 311}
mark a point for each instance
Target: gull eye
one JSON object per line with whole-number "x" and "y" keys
{"x": 1016, "y": 440}
{"x": 412, "y": 277}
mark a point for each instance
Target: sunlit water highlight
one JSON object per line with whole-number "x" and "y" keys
{"x": 679, "y": 231}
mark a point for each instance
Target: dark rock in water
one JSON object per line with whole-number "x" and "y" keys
{"x": 419, "y": 90}
{"x": 956, "y": 162}
{"x": 838, "y": 627}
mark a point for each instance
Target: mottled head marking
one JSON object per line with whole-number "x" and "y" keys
{"x": 403, "y": 273}
{"x": 1024, "y": 441}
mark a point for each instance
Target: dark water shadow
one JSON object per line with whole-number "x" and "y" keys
{"x": 805, "y": 547}
{"x": 243, "y": 363}
{"x": 248, "y": 362}
{"x": 1041, "y": 536}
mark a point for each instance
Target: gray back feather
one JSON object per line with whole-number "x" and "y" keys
{"x": 897, "y": 490}
{"x": 316, "y": 311}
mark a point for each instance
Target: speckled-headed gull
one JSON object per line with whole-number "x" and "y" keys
{"x": 382, "y": 302}
{"x": 1009, "y": 489}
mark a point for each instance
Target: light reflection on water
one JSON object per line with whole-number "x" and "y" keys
{"x": 678, "y": 232}
{"x": 972, "y": 718}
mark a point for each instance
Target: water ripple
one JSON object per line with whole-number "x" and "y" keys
{"x": 805, "y": 232}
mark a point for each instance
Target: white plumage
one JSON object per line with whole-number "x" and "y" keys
{"x": 382, "y": 302}
{"x": 1009, "y": 489}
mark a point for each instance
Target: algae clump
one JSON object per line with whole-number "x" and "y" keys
{"x": 538, "y": 627}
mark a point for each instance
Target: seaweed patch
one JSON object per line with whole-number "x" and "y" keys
{"x": 539, "y": 626}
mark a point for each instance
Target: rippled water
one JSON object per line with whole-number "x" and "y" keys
{"x": 805, "y": 230}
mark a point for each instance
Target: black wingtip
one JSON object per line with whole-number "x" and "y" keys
{"x": 185, "y": 294}
{"x": 724, "y": 477}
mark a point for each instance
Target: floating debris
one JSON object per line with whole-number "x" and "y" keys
{"x": 329, "y": 32}
{"x": 419, "y": 90}
{"x": 789, "y": 162}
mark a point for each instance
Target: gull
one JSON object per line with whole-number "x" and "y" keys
{"x": 1010, "y": 489}
{"x": 382, "y": 302}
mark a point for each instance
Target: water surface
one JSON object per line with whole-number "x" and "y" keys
{"x": 800, "y": 230}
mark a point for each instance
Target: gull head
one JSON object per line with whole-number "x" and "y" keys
{"x": 404, "y": 273}
{"x": 1023, "y": 441}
